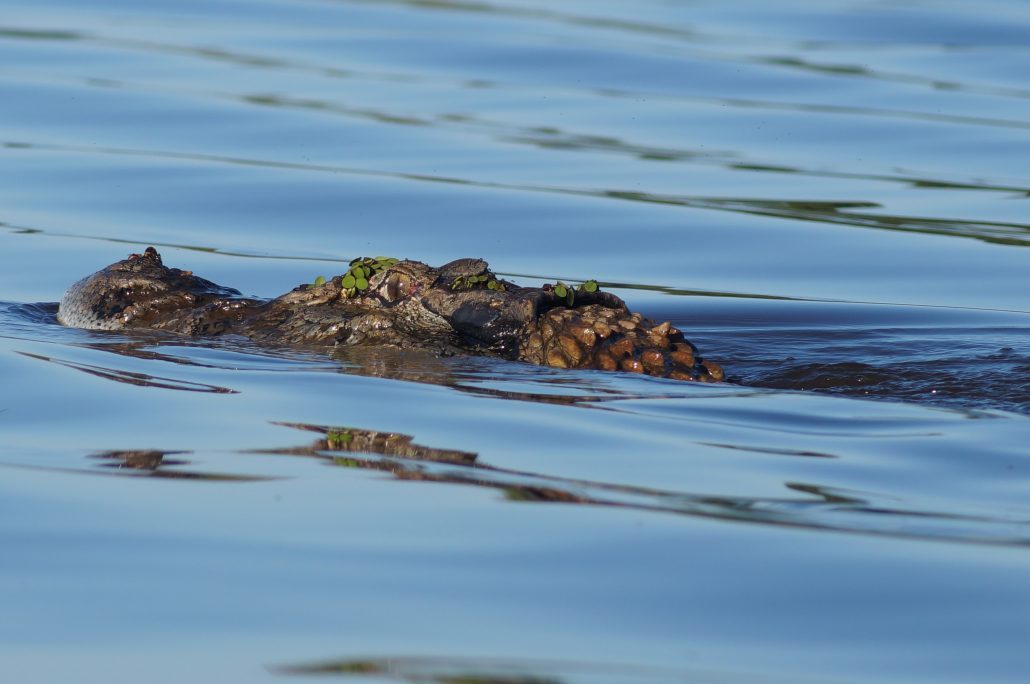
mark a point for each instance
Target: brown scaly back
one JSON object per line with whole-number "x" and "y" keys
{"x": 606, "y": 338}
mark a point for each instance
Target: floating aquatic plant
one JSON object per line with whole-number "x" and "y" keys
{"x": 568, "y": 293}
{"x": 471, "y": 281}
{"x": 361, "y": 271}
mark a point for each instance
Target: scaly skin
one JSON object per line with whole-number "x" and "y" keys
{"x": 409, "y": 305}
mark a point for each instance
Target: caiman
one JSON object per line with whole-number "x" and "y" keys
{"x": 458, "y": 308}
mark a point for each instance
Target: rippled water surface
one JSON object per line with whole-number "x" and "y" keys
{"x": 830, "y": 198}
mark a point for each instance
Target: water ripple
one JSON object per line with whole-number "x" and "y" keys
{"x": 840, "y": 212}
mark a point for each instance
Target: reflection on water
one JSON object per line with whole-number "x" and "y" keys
{"x": 151, "y": 463}
{"x": 886, "y": 361}
{"x": 140, "y": 379}
{"x": 809, "y": 505}
{"x": 146, "y": 459}
{"x": 804, "y": 505}
{"x": 359, "y": 441}
{"x": 483, "y": 671}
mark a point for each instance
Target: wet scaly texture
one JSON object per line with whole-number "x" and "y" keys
{"x": 596, "y": 336}
{"x": 460, "y": 307}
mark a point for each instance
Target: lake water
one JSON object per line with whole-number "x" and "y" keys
{"x": 831, "y": 198}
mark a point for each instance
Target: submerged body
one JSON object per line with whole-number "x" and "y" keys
{"x": 458, "y": 308}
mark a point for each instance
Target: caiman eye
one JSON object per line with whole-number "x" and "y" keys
{"x": 396, "y": 286}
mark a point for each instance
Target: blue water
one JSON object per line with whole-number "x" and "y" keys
{"x": 829, "y": 198}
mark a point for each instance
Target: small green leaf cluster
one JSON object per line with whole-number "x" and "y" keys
{"x": 338, "y": 438}
{"x": 469, "y": 282}
{"x": 361, "y": 271}
{"x": 567, "y": 292}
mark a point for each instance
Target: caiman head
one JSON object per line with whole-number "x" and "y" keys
{"x": 460, "y": 307}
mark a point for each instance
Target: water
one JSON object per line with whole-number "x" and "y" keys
{"x": 830, "y": 198}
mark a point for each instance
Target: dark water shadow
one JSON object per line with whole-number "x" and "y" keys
{"x": 961, "y": 365}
